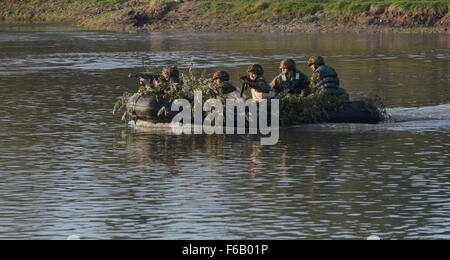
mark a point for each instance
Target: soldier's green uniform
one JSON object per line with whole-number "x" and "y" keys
{"x": 170, "y": 75}
{"x": 259, "y": 85}
{"x": 294, "y": 82}
{"x": 225, "y": 88}
{"x": 170, "y": 83}
{"x": 325, "y": 80}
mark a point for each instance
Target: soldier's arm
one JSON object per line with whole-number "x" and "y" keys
{"x": 277, "y": 85}
{"x": 315, "y": 77}
{"x": 260, "y": 85}
{"x": 307, "y": 82}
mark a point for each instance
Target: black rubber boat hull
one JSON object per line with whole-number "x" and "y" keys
{"x": 356, "y": 112}
{"x": 146, "y": 108}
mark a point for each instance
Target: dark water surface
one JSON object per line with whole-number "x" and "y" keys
{"x": 68, "y": 166}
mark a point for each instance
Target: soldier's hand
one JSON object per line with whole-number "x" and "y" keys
{"x": 302, "y": 93}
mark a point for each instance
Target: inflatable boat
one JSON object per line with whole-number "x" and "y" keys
{"x": 146, "y": 108}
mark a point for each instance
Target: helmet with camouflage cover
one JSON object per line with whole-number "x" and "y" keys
{"x": 170, "y": 72}
{"x": 316, "y": 60}
{"x": 222, "y": 75}
{"x": 288, "y": 64}
{"x": 256, "y": 68}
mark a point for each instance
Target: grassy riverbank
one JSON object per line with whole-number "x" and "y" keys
{"x": 235, "y": 15}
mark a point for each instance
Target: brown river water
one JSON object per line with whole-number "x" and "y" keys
{"x": 70, "y": 167}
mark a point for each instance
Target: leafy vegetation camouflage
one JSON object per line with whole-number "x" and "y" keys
{"x": 294, "y": 109}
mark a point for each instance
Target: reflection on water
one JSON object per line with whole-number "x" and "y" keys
{"x": 336, "y": 185}
{"x": 67, "y": 166}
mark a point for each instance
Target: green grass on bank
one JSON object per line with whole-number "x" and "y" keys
{"x": 242, "y": 10}
{"x": 68, "y": 2}
{"x": 256, "y": 9}
{"x": 251, "y": 9}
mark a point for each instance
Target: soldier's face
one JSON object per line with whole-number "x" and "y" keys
{"x": 217, "y": 81}
{"x": 284, "y": 71}
{"x": 313, "y": 67}
{"x": 142, "y": 81}
{"x": 252, "y": 76}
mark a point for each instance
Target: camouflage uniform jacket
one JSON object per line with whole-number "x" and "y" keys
{"x": 295, "y": 84}
{"x": 259, "y": 86}
{"x": 227, "y": 90}
{"x": 229, "y": 94}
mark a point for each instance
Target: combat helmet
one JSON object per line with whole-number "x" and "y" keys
{"x": 316, "y": 60}
{"x": 256, "y": 68}
{"x": 222, "y": 75}
{"x": 170, "y": 72}
{"x": 288, "y": 64}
